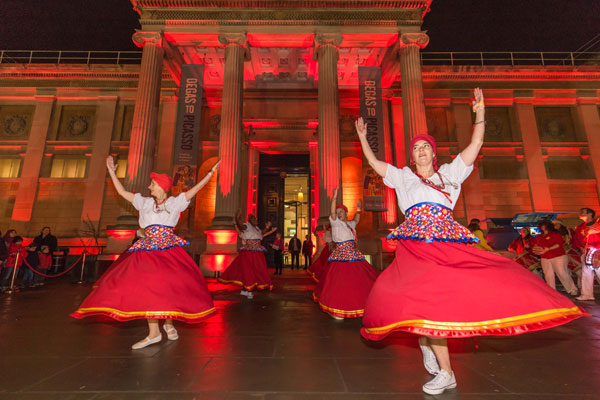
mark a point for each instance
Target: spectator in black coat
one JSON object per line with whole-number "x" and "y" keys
{"x": 294, "y": 247}
{"x": 46, "y": 239}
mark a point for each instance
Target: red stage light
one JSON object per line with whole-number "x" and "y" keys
{"x": 120, "y": 233}
{"x": 222, "y": 236}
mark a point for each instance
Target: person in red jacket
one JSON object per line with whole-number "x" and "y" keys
{"x": 522, "y": 246}
{"x": 549, "y": 245}
{"x": 11, "y": 261}
{"x": 43, "y": 266}
{"x": 591, "y": 235}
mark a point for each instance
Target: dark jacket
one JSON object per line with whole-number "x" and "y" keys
{"x": 49, "y": 240}
{"x": 298, "y": 244}
{"x": 307, "y": 247}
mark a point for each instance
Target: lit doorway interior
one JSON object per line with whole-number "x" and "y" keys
{"x": 296, "y": 217}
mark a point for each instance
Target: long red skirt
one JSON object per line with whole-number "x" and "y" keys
{"x": 161, "y": 284}
{"x": 450, "y": 290}
{"x": 248, "y": 270}
{"x": 344, "y": 290}
{"x": 317, "y": 268}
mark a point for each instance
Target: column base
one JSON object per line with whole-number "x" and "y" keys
{"x": 221, "y": 249}
{"x": 121, "y": 235}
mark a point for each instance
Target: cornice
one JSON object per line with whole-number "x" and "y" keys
{"x": 422, "y": 5}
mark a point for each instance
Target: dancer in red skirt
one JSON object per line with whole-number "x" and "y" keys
{"x": 437, "y": 287}
{"x": 249, "y": 268}
{"x": 343, "y": 290}
{"x": 157, "y": 279}
{"x": 318, "y": 268}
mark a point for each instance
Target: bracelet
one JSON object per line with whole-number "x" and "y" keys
{"x": 480, "y": 122}
{"x": 476, "y": 106}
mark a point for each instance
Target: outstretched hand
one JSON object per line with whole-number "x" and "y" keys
{"x": 335, "y": 194}
{"x": 478, "y": 102}
{"x": 110, "y": 164}
{"x": 359, "y": 205}
{"x": 361, "y": 127}
{"x": 215, "y": 167}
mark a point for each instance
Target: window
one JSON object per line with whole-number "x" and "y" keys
{"x": 68, "y": 167}
{"x": 121, "y": 168}
{"x": 9, "y": 167}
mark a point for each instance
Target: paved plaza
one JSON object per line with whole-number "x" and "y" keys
{"x": 278, "y": 346}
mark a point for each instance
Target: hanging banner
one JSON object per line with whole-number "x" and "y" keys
{"x": 187, "y": 133}
{"x": 371, "y": 110}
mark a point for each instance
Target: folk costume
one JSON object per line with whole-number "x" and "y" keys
{"x": 437, "y": 286}
{"x": 349, "y": 277}
{"x": 157, "y": 279}
{"x": 249, "y": 269}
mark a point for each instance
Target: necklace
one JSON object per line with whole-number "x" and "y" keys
{"x": 440, "y": 188}
{"x": 157, "y": 205}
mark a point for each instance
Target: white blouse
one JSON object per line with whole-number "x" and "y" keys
{"x": 251, "y": 232}
{"x": 342, "y": 231}
{"x": 166, "y": 214}
{"x": 410, "y": 190}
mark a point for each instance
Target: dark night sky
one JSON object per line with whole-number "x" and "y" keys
{"x": 453, "y": 25}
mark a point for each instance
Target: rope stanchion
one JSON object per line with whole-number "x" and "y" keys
{"x": 82, "y": 268}
{"x": 53, "y": 276}
{"x": 12, "y": 281}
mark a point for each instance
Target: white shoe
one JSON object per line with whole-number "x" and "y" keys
{"x": 171, "y": 333}
{"x": 442, "y": 381}
{"x": 429, "y": 360}
{"x": 336, "y": 317}
{"x": 146, "y": 342}
{"x": 250, "y": 295}
{"x": 244, "y": 293}
{"x": 585, "y": 298}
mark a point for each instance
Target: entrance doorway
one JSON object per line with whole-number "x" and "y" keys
{"x": 284, "y": 196}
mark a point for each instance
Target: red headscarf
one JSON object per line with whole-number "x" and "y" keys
{"x": 163, "y": 180}
{"x": 429, "y": 139}
{"x": 343, "y": 207}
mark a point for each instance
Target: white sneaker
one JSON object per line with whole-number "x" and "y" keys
{"x": 171, "y": 333}
{"x": 244, "y": 293}
{"x": 442, "y": 381}
{"x": 146, "y": 342}
{"x": 429, "y": 360}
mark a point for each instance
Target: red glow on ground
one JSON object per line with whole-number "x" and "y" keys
{"x": 221, "y": 236}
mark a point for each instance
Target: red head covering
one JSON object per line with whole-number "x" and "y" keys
{"x": 343, "y": 207}
{"x": 163, "y": 180}
{"x": 429, "y": 139}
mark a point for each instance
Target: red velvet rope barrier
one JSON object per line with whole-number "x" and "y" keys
{"x": 53, "y": 276}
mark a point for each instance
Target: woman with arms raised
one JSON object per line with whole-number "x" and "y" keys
{"x": 437, "y": 287}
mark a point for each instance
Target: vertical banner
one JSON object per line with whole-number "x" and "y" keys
{"x": 187, "y": 132}
{"x": 371, "y": 110}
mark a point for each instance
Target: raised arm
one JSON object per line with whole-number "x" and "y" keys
{"x": 266, "y": 232}
{"x": 237, "y": 221}
{"x": 189, "y": 195}
{"x": 379, "y": 166}
{"x": 469, "y": 154}
{"x": 334, "y": 204}
{"x": 112, "y": 169}
{"x": 358, "y": 212}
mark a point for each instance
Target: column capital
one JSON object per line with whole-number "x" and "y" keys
{"x": 141, "y": 39}
{"x": 419, "y": 39}
{"x": 592, "y": 101}
{"x": 326, "y": 40}
{"x": 235, "y": 39}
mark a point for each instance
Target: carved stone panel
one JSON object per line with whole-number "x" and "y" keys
{"x": 555, "y": 124}
{"x": 15, "y": 122}
{"x": 498, "y": 127}
{"x": 77, "y": 123}
{"x": 437, "y": 123}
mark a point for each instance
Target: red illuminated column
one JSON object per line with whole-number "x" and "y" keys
{"x": 326, "y": 54}
{"x": 143, "y": 132}
{"x": 541, "y": 200}
{"x": 96, "y": 177}
{"x": 398, "y": 137}
{"x": 388, "y": 218}
{"x": 230, "y": 140}
{"x": 587, "y": 108}
{"x": 28, "y": 181}
{"x": 413, "y": 103}
{"x": 471, "y": 188}
{"x": 166, "y": 136}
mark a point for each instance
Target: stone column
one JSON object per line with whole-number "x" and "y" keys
{"x": 541, "y": 200}
{"x": 399, "y": 138}
{"x": 96, "y": 177}
{"x": 587, "y": 107}
{"x": 326, "y": 54}
{"x": 230, "y": 140}
{"x": 413, "y": 103}
{"x": 166, "y": 136}
{"x": 471, "y": 188}
{"x": 143, "y": 132}
{"x": 140, "y": 159}
{"x": 30, "y": 172}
